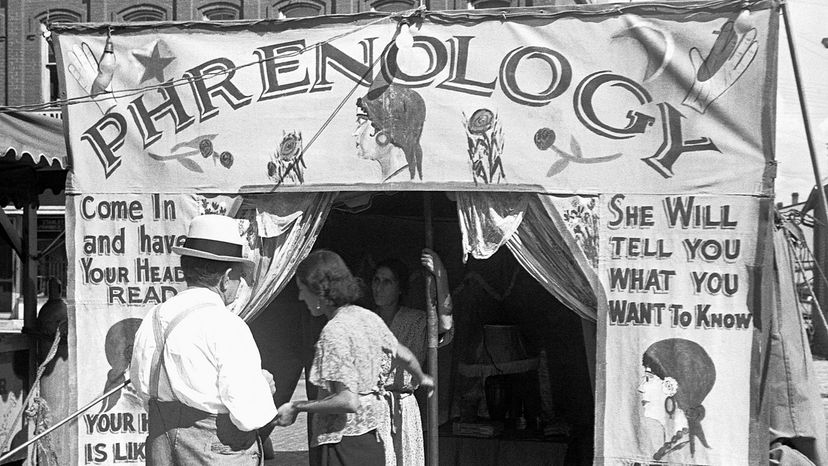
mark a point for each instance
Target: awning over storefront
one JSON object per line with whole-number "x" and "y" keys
{"x": 33, "y": 157}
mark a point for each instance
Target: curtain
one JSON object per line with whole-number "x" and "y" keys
{"x": 792, "y": 399}
{"x": 540, "y": 240}
{"x": 488, "y": 220}
{"x": 544, "y": 246}
{"x": 281, "y": 230}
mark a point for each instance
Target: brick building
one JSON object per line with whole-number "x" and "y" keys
{"x": 27, "y": 67}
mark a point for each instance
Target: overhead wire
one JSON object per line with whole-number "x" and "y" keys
{"x": 122, "y": 93}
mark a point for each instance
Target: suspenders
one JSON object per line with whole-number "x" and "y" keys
{"x": 160, "y": 343}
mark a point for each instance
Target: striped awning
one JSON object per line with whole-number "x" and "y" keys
{"x": 33, "y": 137}
{"x": 33, "y": 157}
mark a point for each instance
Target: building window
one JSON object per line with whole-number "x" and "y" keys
{"x": 143, "y": 13}
{"x": 220, "y": 12}
{"x": 392, "y": 5}
{"x": 49, "y": 87}
{"x": 480, "y": 5}
{"x": 294, "y": 9}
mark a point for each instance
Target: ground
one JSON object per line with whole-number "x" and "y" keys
{"x": 291, "y": 443}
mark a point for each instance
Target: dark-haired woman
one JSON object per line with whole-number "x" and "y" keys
{"x": 678, "y": 376}
{"x": 388, "y": 286}
{"x": 351, "y": 366}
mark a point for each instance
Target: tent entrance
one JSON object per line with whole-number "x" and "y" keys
{"x": 545, "y": 408}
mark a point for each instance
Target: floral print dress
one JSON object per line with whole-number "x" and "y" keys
{"x": 409, "y": 326}
{"x": 355, "y": 348}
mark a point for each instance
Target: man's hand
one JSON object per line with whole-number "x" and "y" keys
{"x": 270, "y": 382}
{"x": 731, "y": 54}
{"x": 287, "y": 414}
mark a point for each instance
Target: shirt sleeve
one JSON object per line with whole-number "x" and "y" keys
{"x": 334, "y": 360}
{"x": 242, "y": 387}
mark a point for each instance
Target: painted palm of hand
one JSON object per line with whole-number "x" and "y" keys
{"x": 731, "y": 55}
{"x": 83, "y": 66}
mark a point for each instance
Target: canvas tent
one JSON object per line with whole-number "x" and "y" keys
{"x": 631, "y": 175}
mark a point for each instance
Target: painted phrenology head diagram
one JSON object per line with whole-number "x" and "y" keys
{"x": 678, "y": 376}
{"x": 118, "y": 348}
{"x": 390, "y": 119}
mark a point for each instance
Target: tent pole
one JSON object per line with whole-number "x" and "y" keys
{"x": 823, "y": 203}
{"x": 433, "y": 410}
{"x": 804, "y": 108}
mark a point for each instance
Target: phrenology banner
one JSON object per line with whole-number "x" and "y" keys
{"x": 589, "y": 99}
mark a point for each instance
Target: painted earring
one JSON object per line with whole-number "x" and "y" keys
{"x": 318, "y": 306}
{"x": 670, "y": 406}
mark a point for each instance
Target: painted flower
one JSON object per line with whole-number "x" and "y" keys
{"x": 290, "y": 147}
{"x": 481, "y": 121}
{"x": 226, "y": 159}
{"x": 544, "y": 138}
{"x": 271, "y": 169}
{"x": 205, "y": 147}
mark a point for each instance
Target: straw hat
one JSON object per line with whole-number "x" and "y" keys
{"x": 214, "y": 237}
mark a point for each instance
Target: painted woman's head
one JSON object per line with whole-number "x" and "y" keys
{"x": 396, "y": 115}
{"x": 678, "y": 374}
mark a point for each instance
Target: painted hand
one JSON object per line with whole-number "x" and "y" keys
{"x": 83, "y": 66}
{"x": 732, "y": 53}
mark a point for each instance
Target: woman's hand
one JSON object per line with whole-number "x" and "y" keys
{"x": 287, "y": 414}
{"x": 427, "y": 382}
{"x": 431, "y": 261}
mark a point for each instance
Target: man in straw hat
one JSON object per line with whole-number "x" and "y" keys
{"x": 195, "y": 364}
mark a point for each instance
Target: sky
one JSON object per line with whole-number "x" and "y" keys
{"x": 809, "y": 23}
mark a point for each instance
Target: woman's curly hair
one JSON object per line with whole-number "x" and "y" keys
{"x": 326, "y": 275}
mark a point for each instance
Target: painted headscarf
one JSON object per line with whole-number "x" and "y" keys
{"x": 400, "y": 112}
{"x": 118, "y": 349}
{"x": 694, "y": 372}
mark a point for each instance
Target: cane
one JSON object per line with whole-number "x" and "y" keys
{"x": 64, "y": 421}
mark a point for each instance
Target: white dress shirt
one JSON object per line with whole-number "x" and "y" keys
{"x": 211, "y": 358}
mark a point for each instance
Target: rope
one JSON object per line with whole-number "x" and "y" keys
{"x": 34, "y": 390}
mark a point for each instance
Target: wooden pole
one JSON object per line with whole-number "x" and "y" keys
{"x": 433, "y": 409}
{"x": 821, "y": 210}
{"x": 29, "y": 289}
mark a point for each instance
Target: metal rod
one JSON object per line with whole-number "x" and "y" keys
{"x": 804, "y": 107}
{"x": 433, "y": 408}
{"x": 64, "y": 421}
{"x": 819, "y": 226}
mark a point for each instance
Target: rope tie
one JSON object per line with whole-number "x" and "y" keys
{"x": 35, "y": 407}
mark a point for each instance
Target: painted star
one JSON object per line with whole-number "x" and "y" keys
{"x": 153, "y": 62}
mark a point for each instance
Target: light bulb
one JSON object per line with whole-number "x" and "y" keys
{"x": 404, "y": 40}
{"x": 106, "y": 69}
{"x": 44, "y": 31}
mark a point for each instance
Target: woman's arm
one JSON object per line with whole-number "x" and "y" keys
{"x": 406, "y": 359}
{"x": 432, "y": 262}
{"x": 343, "y": 401}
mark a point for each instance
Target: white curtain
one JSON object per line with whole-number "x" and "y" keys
{"x": 537, "y": 235}
{"x": 281, "y": 229}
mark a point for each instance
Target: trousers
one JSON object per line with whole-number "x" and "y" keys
{"x": 182, "y": 435}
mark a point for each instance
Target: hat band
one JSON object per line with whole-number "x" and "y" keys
{"x": 219, "y": 248}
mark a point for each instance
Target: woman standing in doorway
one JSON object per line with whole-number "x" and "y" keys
{"x": 351, "y": 365}
{"x": 388, "y": 286}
